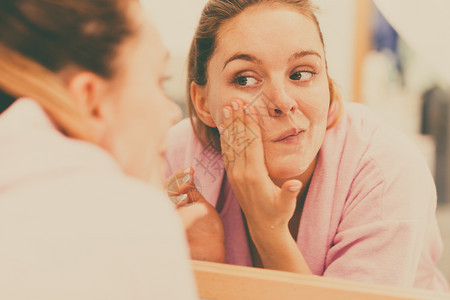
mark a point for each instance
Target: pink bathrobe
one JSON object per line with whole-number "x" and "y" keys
{"x": 369, "y": 213}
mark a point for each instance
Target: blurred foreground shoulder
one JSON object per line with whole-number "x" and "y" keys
{"x": 94, "y": 234}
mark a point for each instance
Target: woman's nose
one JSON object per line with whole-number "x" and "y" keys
{"x": 276, "y": 112}
{"x": 279, "y": 103}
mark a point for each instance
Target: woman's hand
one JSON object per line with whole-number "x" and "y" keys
{"x": 204, "y": 228}
{"x": 267, "y": 207}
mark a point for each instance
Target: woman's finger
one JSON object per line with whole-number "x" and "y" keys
{"x": 184, "y": 189}
{"x": 287, "y": 198}
{"x": 191, "y": 196}
{"x": 239, "y": 141}
{"x": 254, "y": 151}
{"x": 179, "y": 182}
{"x": 180, "y": 200}
{"x": 226, "y": 137}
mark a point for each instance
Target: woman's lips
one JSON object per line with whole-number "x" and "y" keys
{"x": 290, "y": 135}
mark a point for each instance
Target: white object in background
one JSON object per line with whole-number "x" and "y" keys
{"x": 424, "y": 25}
{"x": 337, "y": 21}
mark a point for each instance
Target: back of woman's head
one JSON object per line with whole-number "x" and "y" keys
{"x": 39, "y": 38}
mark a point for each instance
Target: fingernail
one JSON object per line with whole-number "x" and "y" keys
{"x": 226, "y": 113}
{"x": 186, "y": 178}
{"x": 246, "y": 110}
{"x": 177, "y": 200}
{"x": 187, "y": 170}
{"x": 220, "y": 128}
{"x": 294, "y": 188}
{"x": 235, "y": 105}
{"x": 181, "y": 198}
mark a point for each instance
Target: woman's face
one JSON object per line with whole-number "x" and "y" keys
{"x": 140, "y": 113}
{"x": 273, "y": 59}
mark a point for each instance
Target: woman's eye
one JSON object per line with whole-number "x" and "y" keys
{"x": 245, "y": 81}
{"x": 301, "y": 75}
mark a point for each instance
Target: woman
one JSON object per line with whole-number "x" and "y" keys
{"x": 83, "y": 124}
{"x": 301, "y": 182}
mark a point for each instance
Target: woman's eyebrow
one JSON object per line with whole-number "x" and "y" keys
{"x": 247, "y": 57}
{"x": 303, "y": 53}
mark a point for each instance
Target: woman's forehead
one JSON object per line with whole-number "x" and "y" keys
{"x": 269, "y": 31}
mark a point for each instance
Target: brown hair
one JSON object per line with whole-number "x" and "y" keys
{"x": 41, "y": 37}
{"x": 214, "y": 15}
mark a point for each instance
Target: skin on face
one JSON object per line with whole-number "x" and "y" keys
{"x": 273, "y": 59}
{"x": 136, "y": 110}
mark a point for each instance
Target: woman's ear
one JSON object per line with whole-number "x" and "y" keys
{"x": 198, "y": 96}
{"x": 88, "y": 91}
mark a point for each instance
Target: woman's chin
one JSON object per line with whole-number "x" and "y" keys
{"x": 285, "y": 170}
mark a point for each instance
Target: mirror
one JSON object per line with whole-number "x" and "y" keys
{"x": 389, "y": 78}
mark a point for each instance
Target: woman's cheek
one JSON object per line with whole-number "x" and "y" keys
{"x": 218, "y": 119}
{"x": 217, "y": 114}
{"x": 216, "y": 110}
{"x": 225, "y": 94}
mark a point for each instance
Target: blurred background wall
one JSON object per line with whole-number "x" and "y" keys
{"x": 389, "y": 55}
